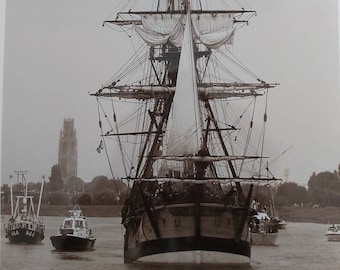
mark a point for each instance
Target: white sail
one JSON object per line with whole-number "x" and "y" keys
{"x": 213, "y": 30}
{"x": 160, "y": 31}
{"x": 184, "y": 132}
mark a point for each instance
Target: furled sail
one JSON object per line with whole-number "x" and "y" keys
{"x": 184, "y": 132}
{"x": 213, "y": 30}
{"x": 217, "y": 91}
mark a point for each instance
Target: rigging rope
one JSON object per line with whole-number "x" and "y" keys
{"x": 264, "y": 128}
{"x": 128, "y": 67}
{"x": 116, "y": 125}
{"x": 249, "y": 134}
{"x": 238, "y": 63}
{"x": 105, "y": 148}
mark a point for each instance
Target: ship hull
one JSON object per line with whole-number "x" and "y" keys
{"x": 24, "y": 236}
{"x": 72, "y": 243}
{"x": 215, "y": 236}
{"x": 191, "y": 250}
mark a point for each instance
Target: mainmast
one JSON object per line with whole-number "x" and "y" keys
{"x": 163, "y": 32}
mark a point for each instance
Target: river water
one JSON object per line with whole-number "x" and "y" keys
{"x": 300, "y": 246}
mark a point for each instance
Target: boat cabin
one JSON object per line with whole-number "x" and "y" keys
{"x": 76, "y": 223}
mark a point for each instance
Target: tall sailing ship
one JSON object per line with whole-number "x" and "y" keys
{"x": 190, "y": 160}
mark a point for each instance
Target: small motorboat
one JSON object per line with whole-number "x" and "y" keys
{"x": 333, "y": 233}
{"x": 74, "y": 234}
{"x": 282, "y": 224}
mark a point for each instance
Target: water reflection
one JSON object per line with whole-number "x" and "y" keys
{"x": 140, "y": 266}
{"x": 72, "y": 256}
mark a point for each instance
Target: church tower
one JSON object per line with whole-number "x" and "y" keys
{"x": 67, "y": 156}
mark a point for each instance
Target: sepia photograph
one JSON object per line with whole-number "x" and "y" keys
{"x": 182, "y": 134}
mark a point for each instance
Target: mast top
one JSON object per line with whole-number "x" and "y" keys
{"x": 163, "y": 7}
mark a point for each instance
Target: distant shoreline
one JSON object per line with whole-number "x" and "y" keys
{"x": 62, "y": 210}
{"x": 320, "y": 215}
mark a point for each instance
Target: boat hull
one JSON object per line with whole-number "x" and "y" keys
{"x": 333, "y": 236}
{"x": 282, "y": 225}
{"x": 191, "y": 250}
{"x": 266, "y": 239}
{"x": 25, "y": 236}
{"x": 66, "y": 242}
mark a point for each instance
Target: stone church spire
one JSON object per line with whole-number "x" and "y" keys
{"x": 67, "y": 156}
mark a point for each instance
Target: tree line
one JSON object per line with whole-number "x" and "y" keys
{"x": 323, "y": 189}
{"x": 100, "y": 191}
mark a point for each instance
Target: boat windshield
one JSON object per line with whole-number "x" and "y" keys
{"x": 68, "y": 224}
{"x": 79, "y": 224}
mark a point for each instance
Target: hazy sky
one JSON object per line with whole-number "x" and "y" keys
{"x": 56, "y": 51}
{"x": 2, "y": 39}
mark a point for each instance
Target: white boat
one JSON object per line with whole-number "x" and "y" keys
{"x": 24, "y": 225}
{"x": 282, "y": 224}
{"x": 333, "y": 233}
{"x": 264, "y": 230}
{"x": 74, "y": 233}
{"x": 189, "y": 158}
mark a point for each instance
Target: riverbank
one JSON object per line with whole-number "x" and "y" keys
{"x": 321, "y": 215}
{"x": 62, "y": 210}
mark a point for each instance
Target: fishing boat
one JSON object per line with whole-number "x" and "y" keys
{"x": 265, "y": 224}
{"x": 24, "y": 225}
{"x": 264, "y": 230}
{"x": 187, "y": 152}
{"x": 74, "y": 233}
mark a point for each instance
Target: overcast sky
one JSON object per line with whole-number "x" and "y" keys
{"x": 57, "y": 51}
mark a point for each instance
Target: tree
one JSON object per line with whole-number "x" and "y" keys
{"x": 261, "y": 194}
{"x": 291, "y": 193}
{"x": 324, "y": 188}
{"x": 82, "y": 199}
{"x": 74, "y": 184}
{"x": 105, "y": 197}
{"x": 107, "y": 191}
{"x": 99, "y": 183}
{"x": 56, "y": 181}
{"x": 58, "y": 198}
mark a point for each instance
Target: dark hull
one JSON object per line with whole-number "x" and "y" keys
{"x": 211, "y": 245}
{"x": 72, "y": 243}
{"x": 197, "y": 227}
{"x": 25, "y": 236}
